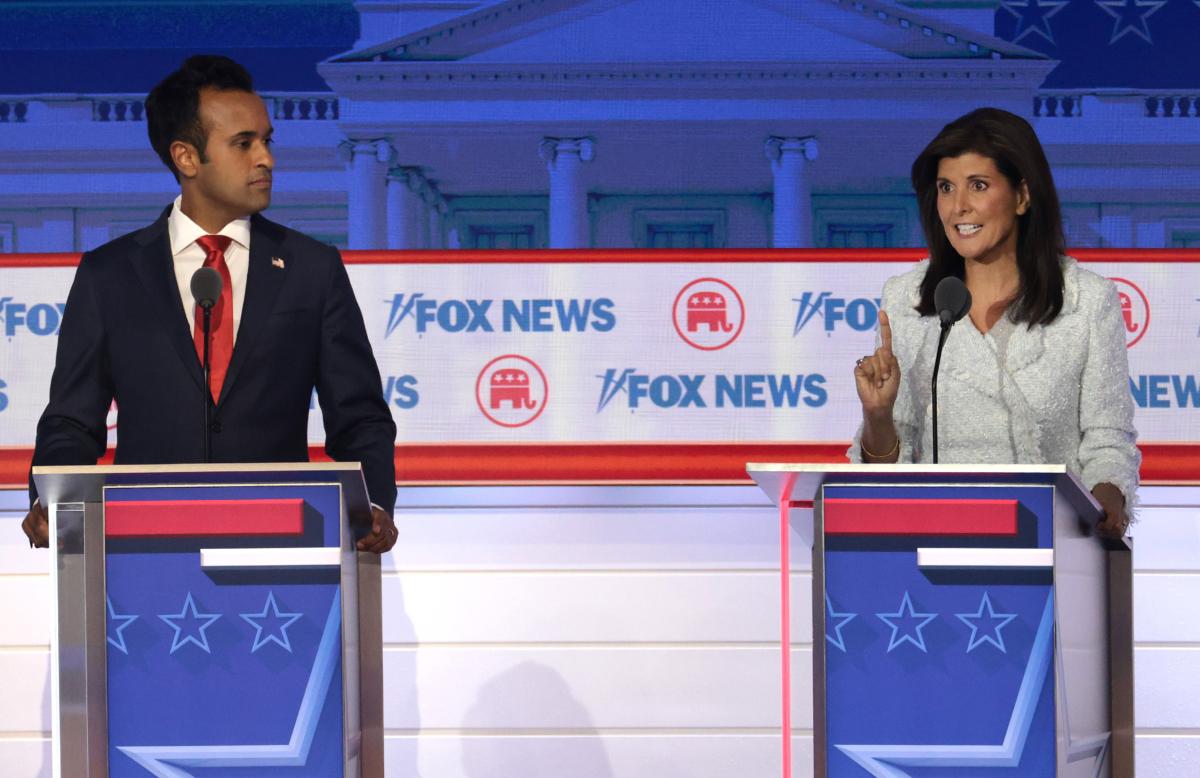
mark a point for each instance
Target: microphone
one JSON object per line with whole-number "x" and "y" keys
{"x": 206, "y": 289}
{"x": 952, "y": 300}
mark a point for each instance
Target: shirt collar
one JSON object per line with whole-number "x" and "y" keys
{"x": 184, "y": 232}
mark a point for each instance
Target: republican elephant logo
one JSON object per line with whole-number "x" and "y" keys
{"x": 1127, "y": 312}
{"x": 510, "y": 386}
{"x": 709, "y": 314}
{"x": 511, "y": 391}
{"x": 710, "y": 310}
{"x": 1135, "y": 310}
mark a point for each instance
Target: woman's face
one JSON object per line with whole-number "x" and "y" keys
{"x": 979, "y": 207}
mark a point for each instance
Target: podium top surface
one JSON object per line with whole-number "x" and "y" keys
{"x": 800, "y": 481}
{"x": 85, "y": 483}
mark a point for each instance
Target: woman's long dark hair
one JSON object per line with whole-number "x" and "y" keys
{"x": 1010, "y": 142}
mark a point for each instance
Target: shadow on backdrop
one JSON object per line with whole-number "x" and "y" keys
{"x": 532, "y": 695}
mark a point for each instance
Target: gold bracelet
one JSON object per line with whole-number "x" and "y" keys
{"x": 867, "y": 451}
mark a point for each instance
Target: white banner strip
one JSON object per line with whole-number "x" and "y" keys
{"x": 998, "y": 558}
{"x": 253, "y": 558}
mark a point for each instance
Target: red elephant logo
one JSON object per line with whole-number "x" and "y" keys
{"x": 1127, "y": 312}
{"x": 1135, "y": 310}
{"x": 511, "y": 391}
{"x": 510, "y": 386}
{"x": 709, "y": 314}
{"x": 708, "y": 308}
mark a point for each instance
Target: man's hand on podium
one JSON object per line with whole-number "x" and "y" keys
{"x": 383, "y": 532}
{"x": 37, "y": 526}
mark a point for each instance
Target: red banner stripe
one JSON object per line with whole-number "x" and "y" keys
{"x": 202, "y": 518}
{"x": 600, "y": 462}
{"x": 498, "y": 463}
{"x": 430, "y": 463}
{"x": 851, "y": 516}
{"x": 690, "y": 256}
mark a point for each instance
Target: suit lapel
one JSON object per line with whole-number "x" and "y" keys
{"x": 1026, "y": 348}
{"x": 1028, "y": 344}
{"x": 264, "y": 279}
{"x": 155, "y": 271}
{"x": 968, "y": 359}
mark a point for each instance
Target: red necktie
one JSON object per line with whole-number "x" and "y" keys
{"x": 221, "y": 345}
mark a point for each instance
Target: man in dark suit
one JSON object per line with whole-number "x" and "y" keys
{"x": 286, "y": 321}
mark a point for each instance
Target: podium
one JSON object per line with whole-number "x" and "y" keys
{"x": 213, "y": 620}
{"x": 964, "y": 619}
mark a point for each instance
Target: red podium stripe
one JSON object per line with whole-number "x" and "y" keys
{"x": 203, "y": 518}
{"x": 846, "y": 516}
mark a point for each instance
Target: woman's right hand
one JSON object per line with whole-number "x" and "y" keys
{"x": 877, "y": 376}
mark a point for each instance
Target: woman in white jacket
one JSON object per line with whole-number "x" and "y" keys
{"x": 1037, "y": 372}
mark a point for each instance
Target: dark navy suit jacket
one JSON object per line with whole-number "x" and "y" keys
{"x": 125, "y": 336}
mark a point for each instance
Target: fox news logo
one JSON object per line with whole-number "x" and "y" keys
{"x": 511, "y": 391}
{"x": 1135, "y": 310}
{"x": 860, "y": 314}
{"x": 401, "y": 391}
{"x": 39, "y": 319}
{"x": 708, "y": 314}
{"x": 1165, "y": 391}
{"x": 398, "y": 390}
{"x": 471, "y": 315}
{"x": 752, "y": 390}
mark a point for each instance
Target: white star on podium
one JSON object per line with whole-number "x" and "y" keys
{"x": 282, "y": 621}
{"x": 190, "y": 616}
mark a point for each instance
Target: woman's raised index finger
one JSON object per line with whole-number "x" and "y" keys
{"x": 885, "y": 331}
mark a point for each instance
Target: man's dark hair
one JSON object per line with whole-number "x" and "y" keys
{"x": 1010, "y": 142}
{"x": 173, "y": 107}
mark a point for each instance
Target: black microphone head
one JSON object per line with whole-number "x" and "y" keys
{"x": 206, "y": 287}
{"x": 952, "y": 300}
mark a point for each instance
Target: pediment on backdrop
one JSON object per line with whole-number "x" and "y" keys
{"x": 683, "y": 31}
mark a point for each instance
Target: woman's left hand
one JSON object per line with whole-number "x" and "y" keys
{"x": 1115, "y": 520}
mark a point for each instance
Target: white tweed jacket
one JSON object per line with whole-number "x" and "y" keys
{"x": 1061, "y": 395}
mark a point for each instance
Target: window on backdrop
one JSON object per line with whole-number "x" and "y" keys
{"x": 500, "y": 236}
{"x": 1185, "y": 239}
{"x": 680, "y": 236}
{"x": 859, "y": 236}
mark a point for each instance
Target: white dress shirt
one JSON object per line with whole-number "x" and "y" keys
{"x": 188, "y": 257}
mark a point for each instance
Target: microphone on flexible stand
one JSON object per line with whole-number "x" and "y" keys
{"x": 206, "y": 289}
{"x": 952, "y": 301}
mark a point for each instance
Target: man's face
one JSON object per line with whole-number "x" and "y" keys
{"x": 234, "y": 180}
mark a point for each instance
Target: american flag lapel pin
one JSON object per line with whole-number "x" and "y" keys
{"x": 277, "y": 262}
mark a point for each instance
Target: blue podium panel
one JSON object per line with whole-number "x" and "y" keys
{"x": 219, "y": 664}
{"x": 938, "y": 667}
